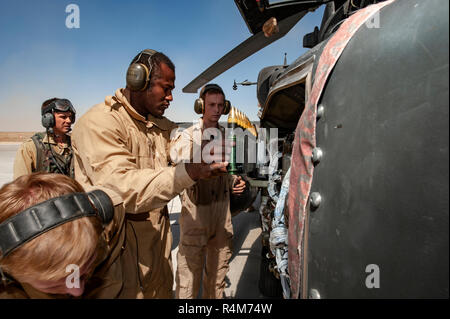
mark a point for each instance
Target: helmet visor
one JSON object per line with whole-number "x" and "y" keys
{"x": 64, "y": 105}
{"x": 60, "y": 105}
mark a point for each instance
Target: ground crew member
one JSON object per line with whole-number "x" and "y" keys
{"x": 34, "y": 260}
{"x": 205, "y": 223}
{"x": 122, "y": 144}
{"x": 49, "y": 151}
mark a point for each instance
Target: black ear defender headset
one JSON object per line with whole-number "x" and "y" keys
{"x": 38, "y": 219}
{"x": 199, "y": 104}
{"x": 59, "y": 105}
{"x": 138, "y": 74}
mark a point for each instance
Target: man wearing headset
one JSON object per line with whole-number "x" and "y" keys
{"x": 54, "y": 238}
{"x": 49, "y": 151}
{"x": 122, "y": 144}
{"x": 206, "y": 231}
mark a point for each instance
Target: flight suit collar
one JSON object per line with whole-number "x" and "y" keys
{"x": 199, "y": 125}
{"x": 49, "y": 139}
{"x": 162, "y": 123}
{"x": 123, "y": 100}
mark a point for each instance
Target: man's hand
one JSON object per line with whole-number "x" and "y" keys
{"x": 215, "y": 156}
{"x": 198, "y": 171}
{"x": 238, "y": 186}
{"x": 216, "y": 151}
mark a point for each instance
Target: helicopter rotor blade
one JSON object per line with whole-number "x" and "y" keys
{"x": 241, "y": 52}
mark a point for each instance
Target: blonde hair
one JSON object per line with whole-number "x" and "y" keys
{"x": 47, "y": 256}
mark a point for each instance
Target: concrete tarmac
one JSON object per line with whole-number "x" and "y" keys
{"x": 242, "y": 279}
{"x": 7, "y": 155}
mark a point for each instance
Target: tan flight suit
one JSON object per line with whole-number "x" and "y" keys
{"x": 25, "y": 161}
{"x": 206, "y": 231}
{"x": 107, "y": 278}
{"x": 117, "y": 148}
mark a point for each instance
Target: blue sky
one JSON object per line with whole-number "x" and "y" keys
{"x": 41, "y": 58}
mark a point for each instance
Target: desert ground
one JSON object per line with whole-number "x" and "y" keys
{"x": 14, "y": 137}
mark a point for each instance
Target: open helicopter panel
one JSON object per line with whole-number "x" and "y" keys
{"x": 256, "y": 13}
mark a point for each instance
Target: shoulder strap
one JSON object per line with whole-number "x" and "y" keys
{"x": 37, "y": 139}
{"x": 70, "y": 160}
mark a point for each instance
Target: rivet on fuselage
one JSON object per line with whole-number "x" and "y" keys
{"x": 314, "y": 294}
{"x": 317, "y": 155}
{"x": 320, "y": 111}
{"x": 315, "y": 200}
